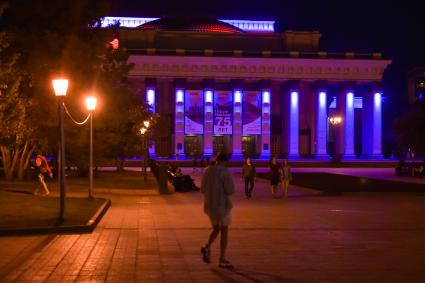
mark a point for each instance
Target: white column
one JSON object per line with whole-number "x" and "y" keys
{"x": 349, "y": 125}
{"x": 209, "y": 122}
{"x": 237, "y": 124}
{"x": 372, "y": 125}
{"x": 179, "y": 123}
{"x": 321, "y": 124}
{"x": 265, "y": 123}
{"x": 293, "y": 150}
{"x": 150, "y": 101}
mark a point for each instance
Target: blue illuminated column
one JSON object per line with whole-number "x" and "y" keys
{"x": 265, "y": 123}
{"x": 150, "y": 101}
{"x": 179, "y": 123}
{"x": 237, "y": 124}
{"x": 293, "y": 150}
{"x": 372, "y": 124}
{"x": 345, "y": 132}
{"x": 321, "y": 124}
{"x": 209, "y": 120}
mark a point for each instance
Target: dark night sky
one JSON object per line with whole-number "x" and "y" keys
{"x": 359, "y": 26}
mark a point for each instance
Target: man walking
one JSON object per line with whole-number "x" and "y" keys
{"x": 217, "y": 186}
{"x": 248, "y": 175}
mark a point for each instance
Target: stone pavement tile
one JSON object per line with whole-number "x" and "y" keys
{"x": 304, "y": 238}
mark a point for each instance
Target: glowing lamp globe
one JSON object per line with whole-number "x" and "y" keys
{"x": 91, "y": 103}
{"x": 60, "y": 86}
{"x": 146, "y": 124}
{"x": 143, "y": 131}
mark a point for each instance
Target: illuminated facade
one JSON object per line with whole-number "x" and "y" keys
{"x": 241, "y": 88}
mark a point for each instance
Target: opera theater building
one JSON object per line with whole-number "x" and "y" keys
{"x": 239, "y": 87}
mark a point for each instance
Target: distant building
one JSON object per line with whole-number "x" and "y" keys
{"x": 416, "y": 85}
{"x": 240, "y": 87}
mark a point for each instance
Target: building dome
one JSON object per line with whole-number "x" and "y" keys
{"x": 190, "y": 24}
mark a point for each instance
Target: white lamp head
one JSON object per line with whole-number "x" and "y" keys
{"x": 90, "y": 103}
{"x": 60, "y": 86}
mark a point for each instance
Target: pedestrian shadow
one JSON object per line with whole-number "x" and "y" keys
{"x": 242, "y": 276}
{"x": 17, "y": 191}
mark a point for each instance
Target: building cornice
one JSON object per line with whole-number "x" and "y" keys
{"x": 258, "y": 68}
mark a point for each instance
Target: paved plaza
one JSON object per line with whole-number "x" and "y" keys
{"x": 306, "y": 237}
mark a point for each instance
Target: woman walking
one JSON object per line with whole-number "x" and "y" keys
{"x": 274, "y": 174}
{"x": 248, "y": 174}
{"x": 286, "y": 177}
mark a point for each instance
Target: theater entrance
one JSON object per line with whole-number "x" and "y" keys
{"x": 222, "y": 144}
{"x": 193, "y": 146}
{"x": 250, "y": 146}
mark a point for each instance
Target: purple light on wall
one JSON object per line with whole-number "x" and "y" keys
{"x": 322, "y": 99}
{"x": 349, "y": 125}
{"x": 293, "y": 125}
{"x": 238, "y": 96}
{"x": 179, "y": 96}
{"x": 208, "y": 96}
{"x": 150, "y": 98}
{"x": 321, "y": 125}
{"x": 266, "y": 97}
{"x": 377, "y": 124}
{"x": 350, "y": 100}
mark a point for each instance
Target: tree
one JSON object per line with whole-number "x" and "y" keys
{"x": 410, "y": 130}
{"x": 15, "y": 144}
{"x": 66, "y": 39}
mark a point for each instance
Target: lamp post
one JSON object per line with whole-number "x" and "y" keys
{"x": 144, "y": 132}
{"x": 91, "y": 106}
{"x": 60, "y": 87}
{"x": 335, "y": 121}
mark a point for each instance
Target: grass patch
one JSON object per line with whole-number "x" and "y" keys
{"x": 20, "y": 210}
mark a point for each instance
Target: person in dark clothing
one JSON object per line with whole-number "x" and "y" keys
{"x": 274, "y": 174}
{"x": 248, "y": 174}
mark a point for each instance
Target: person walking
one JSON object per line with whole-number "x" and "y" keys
{"x": 42, "y": 170}
{"x": 248, "y": 174}
{"x": 217, "y": 186}
{"x": 286, "y": 177}
{"x": 274, "y": 175}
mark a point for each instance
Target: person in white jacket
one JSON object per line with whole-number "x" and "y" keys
{"x": 217, "y": 186}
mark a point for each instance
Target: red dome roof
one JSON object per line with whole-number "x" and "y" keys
{"x": 194, "y": 24}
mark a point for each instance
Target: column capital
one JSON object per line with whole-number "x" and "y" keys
{"x": 291, "y": 85}
{"x": 179, "y": 83}
{"x": 151, "y": 82}
{"x": 265, "y": 84}
{"x": 319, "y": 85}
{"x": 238, "y": 83}
{"x": 372, "y": 87}
{"x": 207, "y": 83}
{"x": 346, "y": 86}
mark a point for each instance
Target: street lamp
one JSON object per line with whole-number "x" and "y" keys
{"x": 60, "y": 87}
{"x": 144, "y": 133}
{"x": 335, "y": 121}
{"x": 91, "y": 106}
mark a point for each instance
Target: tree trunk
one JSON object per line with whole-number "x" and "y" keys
{"x": 13, "y": 159}
{"x": 5, "y": 157}
{"x": 24, "y": 160}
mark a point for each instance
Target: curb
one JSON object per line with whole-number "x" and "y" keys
{"x": 69, "y": 229}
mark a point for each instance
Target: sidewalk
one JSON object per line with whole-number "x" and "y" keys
{"x": 304, "y": 238}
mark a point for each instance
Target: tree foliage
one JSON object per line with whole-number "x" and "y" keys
{"x": 46, "y": 39}
{"x": 410, "y": 130}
